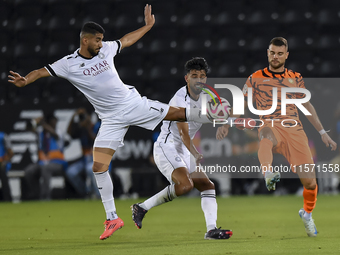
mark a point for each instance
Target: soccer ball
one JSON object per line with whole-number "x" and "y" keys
{"x": 218, "y": 110}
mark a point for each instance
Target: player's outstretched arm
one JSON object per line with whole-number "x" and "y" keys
{"x": 20, "y": 81}
{"x": 130, "y": 38}
{"x": 314, "y": 119}
{"x": 222, "y": 132}
{"x": 183, "y": 129}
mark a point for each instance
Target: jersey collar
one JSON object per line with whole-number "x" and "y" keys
{"x": 190, "y": 95}
{"x": 274, "y": 73}
{"x": 82, "y": 55}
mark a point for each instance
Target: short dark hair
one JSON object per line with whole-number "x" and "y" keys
{"x": 92, "y": 28}
{"x": 279, "y": 41}
{"x": 49, "y": 117}
{"x": 196, "y": 63}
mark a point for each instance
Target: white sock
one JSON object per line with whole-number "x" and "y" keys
{"x": 194, "y": 114}
{"x": 307, "y": 215}
{"x": 209, "y": 208}
{"x": 166, "y": 195}
{"x": 105, "y": 187}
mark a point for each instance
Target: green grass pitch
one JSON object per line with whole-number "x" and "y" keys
{"x": 261, "y": 225}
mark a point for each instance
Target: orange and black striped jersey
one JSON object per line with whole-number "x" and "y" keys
{"x": 262, "y": 83}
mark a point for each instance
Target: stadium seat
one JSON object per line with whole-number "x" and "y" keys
{"x": 329, "y": 69}
{"x": 329, "y": 42}
{"x": 22, "y": 50}
{"x": 36, "y": 37}
{"x": 28, "y": 24}
{"x": 69, "y": 10}
{"x": 259, "y": 17}
{"x": 328, "y": 21}
{"x": 32, "y": 8}
{"x": 258, "y": 43}
{"x": 306, "y": 5}
{"x": 325, "y": 54}
{"x": 58, "y": 50}
{"x": 228, "y": 17}
{"x": 331, "y": 4}
{"x": 61, "y": 88}
{"x": 195, "y": 19}
{"x": 227, "y": 70}
{"x": 263, "y": 6}
{"x": 300, "y": 42}
{"x": 30, "y": 92}
{"x": 294, "y": 16}
{"x": 328, "y": 17}
{"x": 227, "y": 44}
{"x": 67, "y": 36}
{"x": 164, "y": 72}
{"x": 193, "y": 45}
{"x": 305, "y": 68}
{"x": 166, "y": 14}
{"x": 5, "y": 11}
{"x": 159, "y": 45}
{"x": 60, "y": 23}
{"x": 237, "y": 6}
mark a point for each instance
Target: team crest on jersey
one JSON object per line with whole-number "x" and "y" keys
{"x": 291, "y": 80}
{"x": 101, "y": 55}
{"x": 82, "y": 65}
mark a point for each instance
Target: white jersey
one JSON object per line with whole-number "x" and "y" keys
{"x": 169, "y": 129}
{"x": 97, "y": 79}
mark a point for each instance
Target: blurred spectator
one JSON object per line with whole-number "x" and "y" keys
{"x": 6, "y": 154}
{"x": 81, "y": 127}
{"x": 51, "y": 158}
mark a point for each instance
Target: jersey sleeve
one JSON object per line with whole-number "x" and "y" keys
{"x": 59, "y": 68}
{"x": 177, "y": 101}
{"x": 248, "y": 84}
{"x": 115, "y": 47}
{"x": 300, "y": 83}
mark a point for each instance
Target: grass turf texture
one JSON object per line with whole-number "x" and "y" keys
{"x": 261, "y": 225}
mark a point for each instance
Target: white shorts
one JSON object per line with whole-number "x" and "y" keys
{"x": 145, "y": 113}
{"x": 169, "y": 157}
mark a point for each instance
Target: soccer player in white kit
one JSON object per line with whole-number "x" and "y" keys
{"x": 176, "y": 156}
{"x": 91, "y": 70}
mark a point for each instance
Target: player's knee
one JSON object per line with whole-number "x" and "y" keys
{"x": 204, "y": 184}
{"x": 310, "y": 184}
{"x": 184, "y": 187}
{"x": 99, "y": 167}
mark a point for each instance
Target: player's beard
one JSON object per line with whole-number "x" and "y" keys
{"x": 92, "y": 51}
{"x": 195, "y": 90}
{"x": 276, "y": 66}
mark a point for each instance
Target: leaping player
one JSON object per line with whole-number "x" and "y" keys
{"x": 91, "y": 69}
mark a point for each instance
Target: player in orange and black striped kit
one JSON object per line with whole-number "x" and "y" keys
{"x": 284, "y": 134}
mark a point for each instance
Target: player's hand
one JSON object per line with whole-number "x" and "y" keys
{"x": 222, "y": 132}
{"x": 198, "y": 158}
{"x": 148, "y": 17}
{"x": 17, "y": 79}
{"x": 328, "y": 141}
{"x": 244, "y": 123}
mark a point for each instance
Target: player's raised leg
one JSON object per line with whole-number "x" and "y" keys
{"x": 209, "y": 206}
{"x": 310, "y": 189}
{"x": 265, "y": 155}
{"x": 181, "y": 185}
{"x": 186, "y": 114}
{"x": 101, "y": 161}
